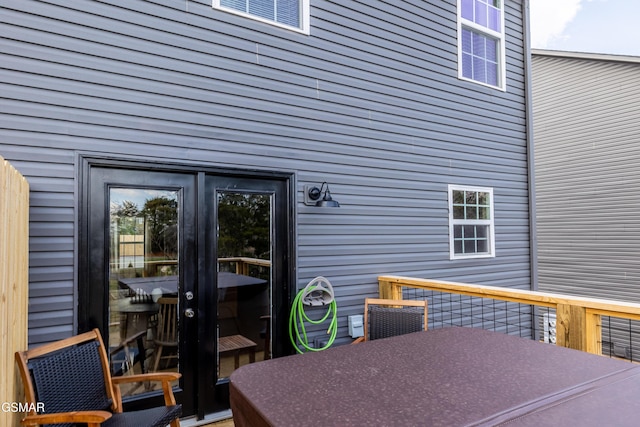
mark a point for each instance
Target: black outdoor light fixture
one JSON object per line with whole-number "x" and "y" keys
{"x": 326, "y": 201}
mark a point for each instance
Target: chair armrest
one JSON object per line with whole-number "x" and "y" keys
{"x": 91, "y": 418}
{"x": 164, "y": 377}
{"x": 151, "y": 376}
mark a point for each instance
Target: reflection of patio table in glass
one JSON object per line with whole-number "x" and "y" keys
{"x": 136, "y": 315}
{"x": 145, "y": 285}
{"x": 169, "y": 284}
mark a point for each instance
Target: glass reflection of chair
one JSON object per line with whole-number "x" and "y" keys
{"x": 117, "y": 319}
{"x": 124, "y": 356}
{"x": 385, "y": 318}
{"x": 166, "y": 336}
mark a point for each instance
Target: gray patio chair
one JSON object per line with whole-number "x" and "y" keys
{"x": 69, "y": 381}
{"x": 385, "y": 318}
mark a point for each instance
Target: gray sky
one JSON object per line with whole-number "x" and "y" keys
{"x": 595, "y": 26}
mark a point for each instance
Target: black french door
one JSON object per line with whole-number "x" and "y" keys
{"x": 246, "y": 225}
{"x": 185, "y": 271}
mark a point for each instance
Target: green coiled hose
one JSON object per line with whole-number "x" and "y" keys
{"x": 298, "y": 316}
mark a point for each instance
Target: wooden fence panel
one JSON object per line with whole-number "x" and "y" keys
{"x": 14, "y": 284}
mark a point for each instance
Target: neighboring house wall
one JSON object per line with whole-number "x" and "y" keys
{"x": 369, "y": 101}
{"x": 587, "y": 154}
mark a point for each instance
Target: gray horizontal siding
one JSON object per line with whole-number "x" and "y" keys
{"x": 370, "y": 101}
{"x": 587, "y": 141}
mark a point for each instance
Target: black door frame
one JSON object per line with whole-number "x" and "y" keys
{"x": 195, "y": 252}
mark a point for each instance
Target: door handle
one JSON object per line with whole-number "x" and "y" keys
{"x": 188, "y": 295}
{"x": 189, "y": 313}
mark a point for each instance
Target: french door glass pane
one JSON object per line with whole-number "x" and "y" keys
{"x": 143, "y": 281}
{"x": 244, "y": 279}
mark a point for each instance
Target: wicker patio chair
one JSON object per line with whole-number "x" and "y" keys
{"x": 385, "y": 318}
{"x": 71, "y": 381}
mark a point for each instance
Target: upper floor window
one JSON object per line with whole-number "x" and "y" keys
{"x": 291, "y": 14}
{"x": 481, "y": 50}
{"x": 471, "y": 232}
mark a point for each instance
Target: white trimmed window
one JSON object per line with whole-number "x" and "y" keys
{"x": 481, "y": 46}
{"x": 471, "y": 233}
{"x": 290, "y": 14}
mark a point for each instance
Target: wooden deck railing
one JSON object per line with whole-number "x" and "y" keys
{"x": 243, "y": 263}
{"x": 14, "y": 283}
{"x": 578, "y": 319}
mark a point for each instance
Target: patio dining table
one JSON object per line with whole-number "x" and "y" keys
{"x": 445, "y": 377}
